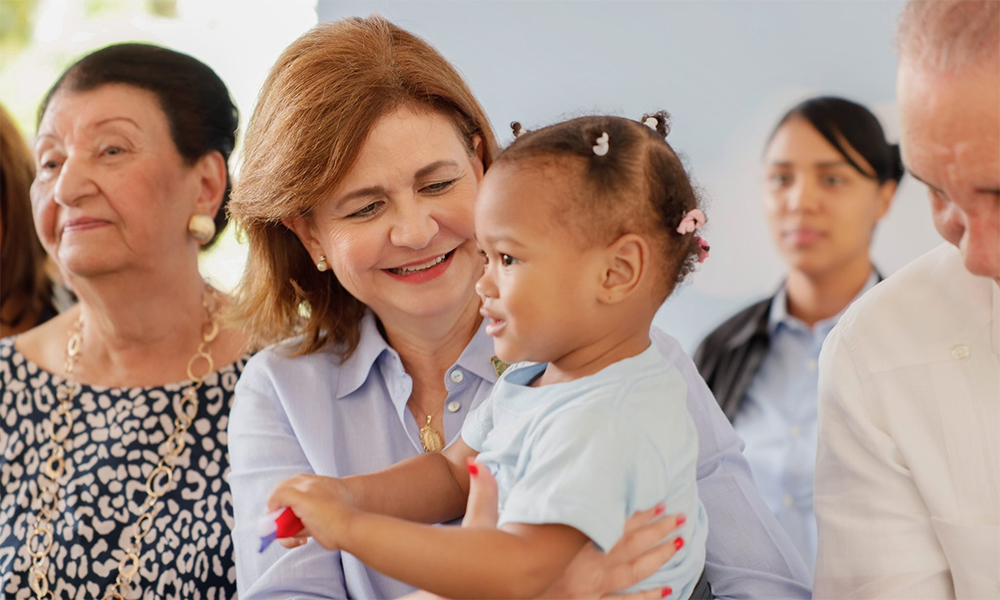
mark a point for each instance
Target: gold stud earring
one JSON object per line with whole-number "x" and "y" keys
{"x": 322, "y": 264}
{"x": 201, "y": 228}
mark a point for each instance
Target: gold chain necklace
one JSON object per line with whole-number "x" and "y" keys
{"x": 41, "y": 540}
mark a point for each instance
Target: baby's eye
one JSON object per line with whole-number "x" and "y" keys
{"x": 833, "y": 180}
{"x": 507, "y": 260}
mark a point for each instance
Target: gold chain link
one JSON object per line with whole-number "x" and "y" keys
{"x": 159, "y": 482}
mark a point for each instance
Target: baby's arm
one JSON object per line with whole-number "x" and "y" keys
{"x": 518, "y": 561}
{"x": 429, "y": 488}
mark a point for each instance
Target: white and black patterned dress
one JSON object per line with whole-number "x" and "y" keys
{"x": 116, "y": 438}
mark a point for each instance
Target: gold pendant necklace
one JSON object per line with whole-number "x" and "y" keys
{"x": 430, "y": 438}
{"x": 41, "y": 540}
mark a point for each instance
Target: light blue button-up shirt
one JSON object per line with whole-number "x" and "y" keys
{"x": 777, "y": 420}
{"x": 314, "y": 414}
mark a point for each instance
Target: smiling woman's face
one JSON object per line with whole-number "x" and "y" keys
{"x": 821, "y": 210}
{"x": 397, "y": 232}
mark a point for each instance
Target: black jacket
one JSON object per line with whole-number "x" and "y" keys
{"x": 729, "y": 358}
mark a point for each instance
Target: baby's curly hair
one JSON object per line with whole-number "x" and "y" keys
{"x": 638, "y": 186}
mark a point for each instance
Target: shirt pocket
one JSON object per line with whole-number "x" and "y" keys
{"x": 973, "y": 555}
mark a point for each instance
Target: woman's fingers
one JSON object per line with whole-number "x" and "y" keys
{"x": 641, "y": 552}
{"x": 641, "y": 567}
{"x": 643, "y": 517}
{"x": 645, "y": 537}
{"x": 481, "y": 510}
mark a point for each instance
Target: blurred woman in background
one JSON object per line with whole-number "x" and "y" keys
{"x": 830, "y": 176}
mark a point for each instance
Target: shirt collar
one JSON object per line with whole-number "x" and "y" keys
{"x": 476, "y": 358}
{"x": 779, "y": 309}
{"x": 355, "y": 370}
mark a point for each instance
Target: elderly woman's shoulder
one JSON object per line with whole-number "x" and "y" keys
{"x": 43, "y": 345}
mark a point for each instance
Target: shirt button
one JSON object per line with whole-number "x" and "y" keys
{"x": 796, "y": 431}
{"x": 811, "y": 365}
{"x": 454, "y": 405}
{"x": 960, "y": 352}
{"x": 788, "y": 500}
{"x": 457, "y": 376}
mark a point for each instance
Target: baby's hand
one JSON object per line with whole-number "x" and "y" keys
{"x": 321, "y": 503}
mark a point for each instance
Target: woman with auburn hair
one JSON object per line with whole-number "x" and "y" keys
{"x": 26, "y": 296}
{"x": 361, "y": 167}
{"x": 113, "y": 414}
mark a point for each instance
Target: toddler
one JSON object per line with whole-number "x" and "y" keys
{"x": 587, "y": 226}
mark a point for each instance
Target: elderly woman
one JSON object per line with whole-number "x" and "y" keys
{"x": 829, "y": 178}
{"x": 113, "y": 415}
{"x": 25, "y": 289}
{"x": 361, "y": 168}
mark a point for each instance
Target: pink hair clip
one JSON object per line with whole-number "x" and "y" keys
{"x": 691, "y": 221}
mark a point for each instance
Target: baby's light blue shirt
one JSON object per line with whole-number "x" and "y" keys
{"x": 590, "y": 452}
{"x": 319, "y": 414}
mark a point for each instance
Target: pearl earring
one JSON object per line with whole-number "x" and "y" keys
{"x": 201, "y": 228}
{"x": 322, "y": 264}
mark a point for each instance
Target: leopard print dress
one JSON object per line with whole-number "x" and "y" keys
{"x": 116, "y": 437}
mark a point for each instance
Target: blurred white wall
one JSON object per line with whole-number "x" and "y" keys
{"x": 725, "y": 70}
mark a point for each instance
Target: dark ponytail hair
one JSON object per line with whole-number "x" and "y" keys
{"x": 842, "y": 122}
{"x": 199, "y": 109}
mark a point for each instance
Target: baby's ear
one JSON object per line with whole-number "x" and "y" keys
{"x": 626, "y": 262}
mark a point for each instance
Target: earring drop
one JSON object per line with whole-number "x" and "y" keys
{"x": 201, "y": 228}
{"x": 322, "y": 264}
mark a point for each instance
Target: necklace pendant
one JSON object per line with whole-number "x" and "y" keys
{"x": 430, "y": 438}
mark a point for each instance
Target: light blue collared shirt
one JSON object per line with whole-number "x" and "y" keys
{"x": 312, "y": 414}
{"x": 777, "y": 420}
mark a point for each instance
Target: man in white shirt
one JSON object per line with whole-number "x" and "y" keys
{"x": 907, "y": 490}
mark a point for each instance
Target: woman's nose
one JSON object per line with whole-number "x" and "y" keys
{"x": 73, "y": 182}
{"x": 415, "y": 226}
{"x": 801, "y": 197}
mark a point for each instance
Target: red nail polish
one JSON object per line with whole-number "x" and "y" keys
{"x": 678, "y": 543}
{"x": 681, "y": 519}
{"x": 666, "y": 592}
{"x": 473, "y": 467}
{"x": 659, "y": 510}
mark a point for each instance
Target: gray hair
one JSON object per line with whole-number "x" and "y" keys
{"x": 949, "y": 34}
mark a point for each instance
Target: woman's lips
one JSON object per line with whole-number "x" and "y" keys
{"x": 83, "y": 223}
{"x": 803, "y": 237}
{"x": 422, "y": 271}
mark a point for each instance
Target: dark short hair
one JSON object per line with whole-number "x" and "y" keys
{"x": 199, "y": 109}
{"x": 842, "y": 122}
{"x": 640, "y": 185}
